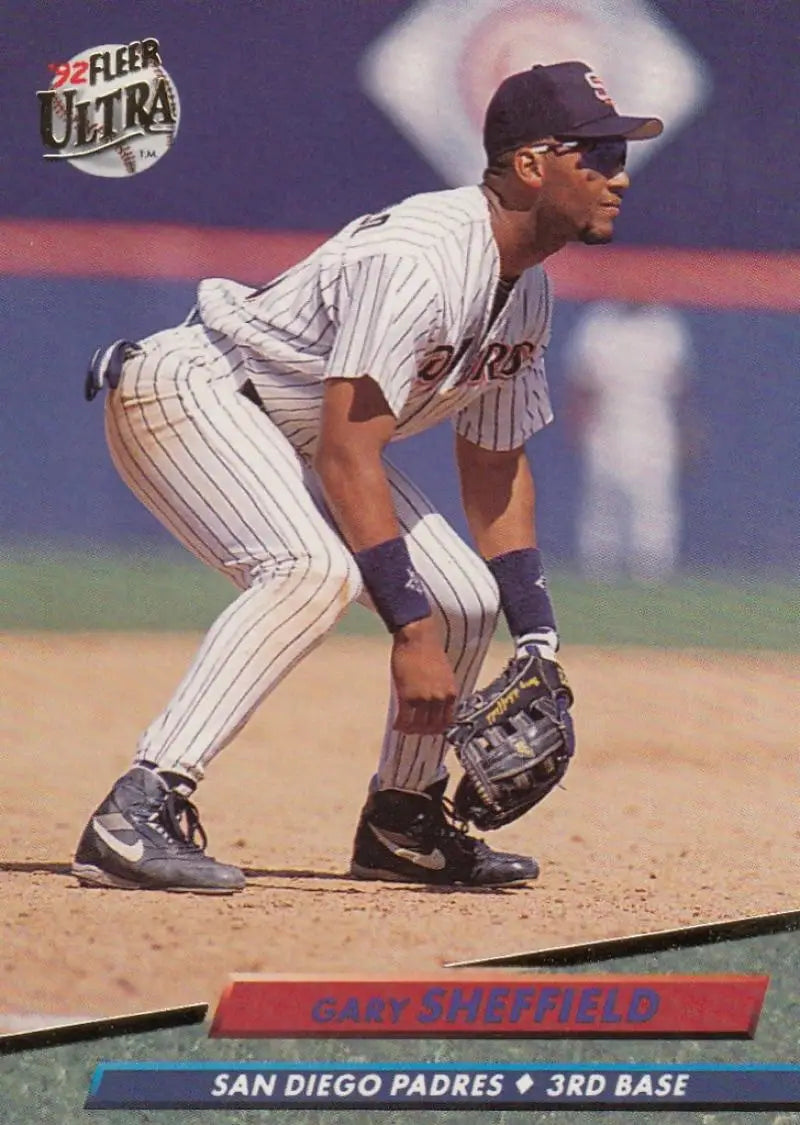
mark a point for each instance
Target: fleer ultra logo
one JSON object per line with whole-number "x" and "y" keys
{"x": 111, "y": 110}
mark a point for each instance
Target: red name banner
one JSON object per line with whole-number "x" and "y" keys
{"x": 482, "y": 1006}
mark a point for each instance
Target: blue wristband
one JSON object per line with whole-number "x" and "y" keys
{"x": 393, "y": 584}
{"x": 523, "y": 592}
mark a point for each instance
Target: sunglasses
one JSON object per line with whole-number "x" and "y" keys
{"x": 606, "y": 156}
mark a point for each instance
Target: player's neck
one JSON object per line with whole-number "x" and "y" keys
{"x": 520, "y": 240}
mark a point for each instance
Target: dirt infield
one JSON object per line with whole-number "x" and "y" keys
{"x": 680, "y": 807}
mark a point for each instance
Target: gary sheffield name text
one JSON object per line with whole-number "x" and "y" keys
{"x": 527, "y": 1004}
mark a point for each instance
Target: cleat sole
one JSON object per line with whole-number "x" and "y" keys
{"x": 94, "y": 877}
{"x": 378, "y": 874}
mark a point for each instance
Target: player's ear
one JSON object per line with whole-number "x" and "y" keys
{"x": 529, "y": 166}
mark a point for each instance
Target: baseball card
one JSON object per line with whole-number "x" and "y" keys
{"x": 398, "y": 581}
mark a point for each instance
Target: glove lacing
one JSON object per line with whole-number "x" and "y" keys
{"x": 497, "y": 686}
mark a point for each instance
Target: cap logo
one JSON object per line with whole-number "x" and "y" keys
{"x": 598, "y": 87}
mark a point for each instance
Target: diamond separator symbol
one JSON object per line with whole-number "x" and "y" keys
{"x": 524, "y": 1083}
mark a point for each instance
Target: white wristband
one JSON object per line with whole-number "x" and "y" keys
{"x": 545, "y": 640}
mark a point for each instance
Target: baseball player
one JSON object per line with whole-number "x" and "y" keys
{"x": 256, "y": 432}
{"x": 628, "y": 370}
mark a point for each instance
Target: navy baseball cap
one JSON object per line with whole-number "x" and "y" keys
{"x": 565, "y": 100}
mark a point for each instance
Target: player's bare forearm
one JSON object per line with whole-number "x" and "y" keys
{"x": 357, "y": 493}
{"x": 356, "y": 425}
{"x": 499, "y": 498}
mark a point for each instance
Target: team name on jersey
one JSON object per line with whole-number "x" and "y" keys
{"x": 494, "y": 361}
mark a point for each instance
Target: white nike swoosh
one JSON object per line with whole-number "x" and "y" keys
{"x": 132, "y": 852}
{"x": 434, "y": 860}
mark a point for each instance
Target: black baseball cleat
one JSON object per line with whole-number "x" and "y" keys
{"x": 146, "y": 835}
{"x": 408, "y": 837}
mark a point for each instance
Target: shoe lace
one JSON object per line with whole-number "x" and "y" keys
{"x": 179, "y": 819}
{"x": 456, "y": 829}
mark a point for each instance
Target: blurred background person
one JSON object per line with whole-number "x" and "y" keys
{"x": 628, "y": 371}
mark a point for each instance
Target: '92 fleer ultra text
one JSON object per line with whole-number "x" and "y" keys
{"x": 110, "y": 111}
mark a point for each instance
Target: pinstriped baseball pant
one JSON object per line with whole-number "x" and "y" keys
{"x": 224, "y": 480}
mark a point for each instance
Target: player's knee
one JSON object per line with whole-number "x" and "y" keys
{"x": 327, "y": 575}
{"x": 342, "y": 577}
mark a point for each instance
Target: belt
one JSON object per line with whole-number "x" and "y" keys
{"x": 105, "y": 368}
{"x": 248, "y": 390}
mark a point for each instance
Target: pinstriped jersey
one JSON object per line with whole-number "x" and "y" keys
{"x": 405, "y": 297}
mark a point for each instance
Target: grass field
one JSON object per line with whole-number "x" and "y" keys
{"x": 49, "y": 1086}
{"x": 69, "y": 591}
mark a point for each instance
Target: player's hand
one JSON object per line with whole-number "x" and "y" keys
{"x": 423, "y": 679}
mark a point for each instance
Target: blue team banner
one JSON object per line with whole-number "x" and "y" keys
{"x": 280, "y": 1085}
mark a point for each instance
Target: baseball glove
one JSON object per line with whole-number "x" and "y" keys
{"x": 514, "y": 740}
